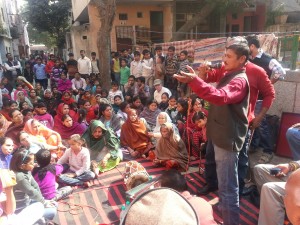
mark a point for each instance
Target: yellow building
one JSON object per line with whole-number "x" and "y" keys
{"x": 137, "y": 22}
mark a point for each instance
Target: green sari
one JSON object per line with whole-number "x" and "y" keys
{"x": 99, "y": 147}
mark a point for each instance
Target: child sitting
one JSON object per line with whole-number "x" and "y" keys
{"x": 45, "y": 176}
{"x": 163, "y": 105}
{"x": 172, "y": 109}
{"x": 76, "y": 161}
{"x": 114, "y": 92}
{"x": 27, "y": 190}
{"x": 42, "y": 116}
{"x": 117, "y": 102}
{"x": 63, "y": 83}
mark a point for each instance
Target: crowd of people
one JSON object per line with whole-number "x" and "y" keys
{"x": 68, "y": 128}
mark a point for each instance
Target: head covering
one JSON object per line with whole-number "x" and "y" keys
{"x": 59, "y": 114}
{"x": 96, "y": 145}
{"x": 157, "y": 82}
{"x": 167, "y": 120}
{"x": 149, "y": 115}
{"x": 134, "y": 134}
{"x": 66, "y": 132}
{"x": 47, "y": 90}
{"x": 160, "y": 206}
{"x": 67, "y": 101}
{"x": 172, "y": 147}
{"x": 44, "y": 135}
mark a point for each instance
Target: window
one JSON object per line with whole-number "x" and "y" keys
{"x": 180, "y": 17}
{"x": 123, "y": 16}
{"x": 139, "y": 15}
{"x": 84, "y": 37}
{"x": 234, "y": 16}
{"x": 235, "y": 29}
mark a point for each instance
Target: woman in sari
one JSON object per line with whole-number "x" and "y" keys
{"x": 16, "y": 126}
{"x": 104, "y": 147}
{"x": 110, "y": 119}
{"x": 170, "y": 150}
{"x": 42, "y": 133}
{"x": 70, "y": 127}
{"x": 63, "y": 109}
{"x": 134, "y": 135}
{"x": 4, "y": 124}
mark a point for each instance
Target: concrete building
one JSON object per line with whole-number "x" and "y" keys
{"x": 5, "y": 37}
{"x": 132, "y": 25}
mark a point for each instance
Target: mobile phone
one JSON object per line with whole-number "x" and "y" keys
{"x": 275, "y": 171}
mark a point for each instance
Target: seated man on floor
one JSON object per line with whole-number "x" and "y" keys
{"x": 272, "y": 190}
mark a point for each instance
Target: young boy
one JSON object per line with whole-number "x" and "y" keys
{"x": 183, "y": 63}
{"x": 42, "y": 116}
{"x": 172, "y": 109}
{"x": 113, "y": 92}
{"x": 136, "y": 65}
{"x": 116, "y": 67}
{"x": 147, "y": 68}
{"x": 125, "y": 73}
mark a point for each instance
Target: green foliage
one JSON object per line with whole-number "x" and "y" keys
{"x": 37, "y": 37}
{"x": 50, "y": 17}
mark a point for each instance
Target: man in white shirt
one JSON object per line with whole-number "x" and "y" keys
{"x": 84, "y": 65}
{"x": 159, "y": 90}
{"x": 78, "y": 83}
{"x": 147, "y": 68}
{"x": 136, "y": 65}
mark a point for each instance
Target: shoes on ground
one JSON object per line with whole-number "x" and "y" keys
{"x": 265, "y": 158}
{"x": 206, "y": 190}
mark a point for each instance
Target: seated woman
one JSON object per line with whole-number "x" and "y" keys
{"x": 110, "y": 119}
{"x": 70, "y": 127}
{"x": 7, "y": 147}
{"x": 22, "y": 98}
{"x": 43, "y": 134}
{"x": 170, "y": 150}
{"x": 104, "y": 147}
{"x": 162, "y": 118}
{"x": 63, "y": 109}
{"x": 32, "y": 144}
{"x": 16, "y": 126}
{"x": 4, "y": 124}
{"x": 150, "y": 113}
{"x": 134, "y": 135}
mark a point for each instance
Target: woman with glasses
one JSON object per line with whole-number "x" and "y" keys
{"x": 27, "y": 190}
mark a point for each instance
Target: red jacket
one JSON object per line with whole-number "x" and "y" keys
{"x": 49, "y": 66}
{"x": 259, "y": 84}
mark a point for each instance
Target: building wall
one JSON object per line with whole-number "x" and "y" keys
{"x": 259, "y": 15}
{"x": 78, "y": 6}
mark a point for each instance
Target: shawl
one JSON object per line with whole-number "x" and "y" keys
{"x": 134, "y": 134}
{"x": 67, "y": 101}
{"x": 45, "y": 135}
{"x": 66, "y": 132}
{"x": 5, "y": 125}
{"x": 167, "y": 120}
{"x": 59, "y": 114}
{"x": 13, "y": 132}
{"x": 150, "y": 116}
{"x": 172, "y": 148}
{"x": 114, "y": 122}
{"x": 96, "y": 145}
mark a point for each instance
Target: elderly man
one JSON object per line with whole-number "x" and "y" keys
{"x": 227, "y": 132}
{"x": 159, "y": 90}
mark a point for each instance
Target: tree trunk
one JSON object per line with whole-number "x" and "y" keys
{"x": 106, "y": 11}
{"x": 205, "y": 11}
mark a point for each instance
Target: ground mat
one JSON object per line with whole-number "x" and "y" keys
{"x": 102, "y": 202}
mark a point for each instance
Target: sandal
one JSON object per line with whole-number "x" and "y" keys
{"x": 95, "y": 167}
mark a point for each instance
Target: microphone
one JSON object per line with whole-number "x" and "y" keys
{"x": 215, "y": 66}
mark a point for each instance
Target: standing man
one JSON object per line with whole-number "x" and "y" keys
{"x": 227, "y": 132}
{"x": 95, "y": 65}
{"x": 13, "y": 69}
{"x": 40, "y": 73}
{"x": 84, "y": 65}
{"x": 275, "y": 72}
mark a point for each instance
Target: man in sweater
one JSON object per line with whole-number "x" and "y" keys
{"x": 227, "y": 132}
{"x": 84, "y": 65}
{"x": 275, "y": 72}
